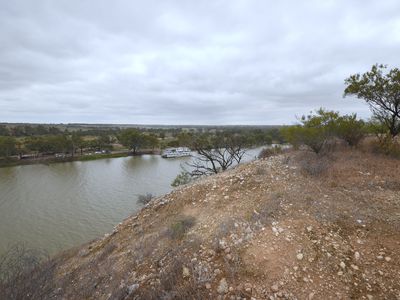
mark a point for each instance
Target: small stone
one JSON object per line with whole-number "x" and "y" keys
{"x": 217, "y": 271}
{"x": 340, "y": 273}
{"x": 229, "y": 257}
{"x": 299, "y": 256}
{"x": 275, "y": 288}
{"x": 387, "y": 258}
{"x": 208, "y": 286}
{"x": 356, "y": 255}
{"x": 311, "y": 296}
{"x": 222, "y": 287}
{"x": 354, "y": 267}
{"x": 228, "y": 250}
{"x": 342, "y": 265}
{"x": 379, "y": 257}
{"x": 185, "y": 272}
{"x": 132, "y": 288}
{"x": 370, "y": 297}
{"x": 309, "y": 228}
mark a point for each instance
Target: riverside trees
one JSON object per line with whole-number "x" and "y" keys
{"x": 382, "y": 93}
{"x": 216, "y": 153}
{"x": 316, "y": 129}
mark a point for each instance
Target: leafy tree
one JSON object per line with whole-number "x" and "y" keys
{"x": 382, "y": 93}
{"x": 131, "y": 138}
{"x": 4, "y": 130}
{"x": 150, "y": 141}
{"x": 7, "y": 146}
{"x": 314, "y": 131}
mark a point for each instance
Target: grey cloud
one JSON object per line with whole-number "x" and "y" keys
{"x": 199, "y": 62}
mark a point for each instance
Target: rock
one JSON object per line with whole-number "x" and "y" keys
{"x": 311, "y": 296}
{"x": 275, "y": 288}
{"x": 354, "y": 267}
{"x": 185, "y": 272}
{"x": 208, "y": 286}
{"x": 299, "y": 256}
{"x": 222, "y": 287}
{"x": 229, "y": 257}
{"x": 248, "y": 287}
{"x": 342, "y": 265}
{"x": 387, "y": 258}
{"x": 379, "y": 257}
{"x": 356, "y": 255}
{"x": 132, "y": 288}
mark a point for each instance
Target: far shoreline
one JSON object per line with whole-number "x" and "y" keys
{"x": 14, "y": 162}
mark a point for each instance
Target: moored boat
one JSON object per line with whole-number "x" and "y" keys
{"x": 176, "y": 152}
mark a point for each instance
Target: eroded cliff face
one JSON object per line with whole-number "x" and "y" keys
{"x": 286, "y": 227}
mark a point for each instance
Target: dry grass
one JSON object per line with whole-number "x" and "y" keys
{"x": 265, "y": 213}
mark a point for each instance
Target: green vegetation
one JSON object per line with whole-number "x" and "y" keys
{"x": 317, "y": 129}
{"x": 382, "y": 93}
{"x": 182, "y": 178}
{"x": 178, "y": 229}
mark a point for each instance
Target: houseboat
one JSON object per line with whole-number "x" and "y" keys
{"x": 176, "y": 152}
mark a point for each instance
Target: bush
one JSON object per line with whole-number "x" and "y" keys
{"x": 182, "y": 179}
{"x": 145, "y": 199}
{"x": 315, "y": 165}
{"x": 25, "y": 273}
{"x": 315, "y": 130}
{"x": 385, "y": 144}
{"x": 178, "y": 229}
{"x": 267, "y": 152}
{"x": 350, "y": 129}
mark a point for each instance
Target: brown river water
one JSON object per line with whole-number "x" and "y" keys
{"x": 58, "y": 206}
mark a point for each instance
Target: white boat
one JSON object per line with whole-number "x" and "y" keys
{"x": 176, "y": 152}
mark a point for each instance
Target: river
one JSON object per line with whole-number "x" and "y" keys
{"x": 58, "y": 206}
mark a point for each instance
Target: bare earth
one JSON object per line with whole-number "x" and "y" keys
{"x": 264, "y": 230}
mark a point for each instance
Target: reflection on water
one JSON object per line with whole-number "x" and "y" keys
{"x": 62, "y": 205}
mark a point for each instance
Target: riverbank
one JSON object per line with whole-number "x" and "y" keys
{"x": 292, "y": 226}
{"x": 46, "y": 160}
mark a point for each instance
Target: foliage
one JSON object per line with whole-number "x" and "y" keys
{"x": 182, "y": 178}
{"x": 382, "y": 93}
{"x": 267, "y": 152}
{"x": 49, "y": 144}
{"x": 314, "y": 131}
{"x": 136, "y": 140}
{"x": 7, "y": 146}
{"x": 145, "y": 199}
{"x": 385, "y": 144}
{"x": 131, "y": 138}
{"x": 25, "y": 273}
{"x": 350, "y": 129}
{"x": 178, "y": 229}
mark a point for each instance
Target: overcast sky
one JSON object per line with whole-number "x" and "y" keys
{"x": 188, "y": 62}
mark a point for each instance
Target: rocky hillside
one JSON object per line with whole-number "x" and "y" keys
{"x": 287, "y": 227}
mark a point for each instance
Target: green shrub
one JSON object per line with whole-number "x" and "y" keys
{"x": 267, "y": 152}
{"x": 314, "y": 130}
{"x": 178, "y": 229}
{"x": 350, "y": 129}
{"x": 144, "y": 199}
{"x": 182, "y": 179}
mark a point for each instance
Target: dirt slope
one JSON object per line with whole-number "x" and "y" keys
{"x": 264, "y": 230}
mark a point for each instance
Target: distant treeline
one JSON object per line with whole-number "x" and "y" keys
{"x": 38, "y": 140}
